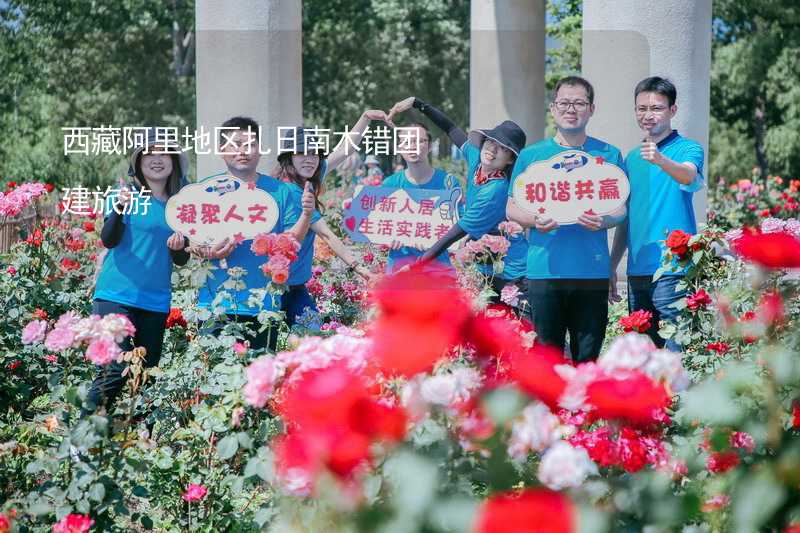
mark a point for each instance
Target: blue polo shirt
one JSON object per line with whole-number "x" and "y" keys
{"x": 571, "y": 251}
{"x": 138, "y": 271}
{"x": 243, "y": 257}
{"x": 485, "y": 209}
{"x": 407, "y": 254}
{"x": 658, "y": 204}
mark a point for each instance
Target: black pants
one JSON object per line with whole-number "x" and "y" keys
{"x": 258, "y": 340}
{"x": 150, "y": 327}
{"x": 577, "y": 306}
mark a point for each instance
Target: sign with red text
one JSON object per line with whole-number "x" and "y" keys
{"x": 570, "y": 184}
{"x": 222, "y": 207}
{"x": 414, "y": 217}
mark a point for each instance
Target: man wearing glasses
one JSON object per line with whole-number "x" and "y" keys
{"x": 568, "y": 267}
{"x": 665, "y": 171}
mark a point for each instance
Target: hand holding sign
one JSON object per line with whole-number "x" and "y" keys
{"x": 590, "y": 221}
{"x": 650, "y": 151}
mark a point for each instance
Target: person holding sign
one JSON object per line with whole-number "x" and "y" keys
{"x": 490, "y": 156}
{"x": 665, "y": 171}
{"x": 135, "y": 277}
{"x": 297, "y": 167}
{"x": 419, "y": 174}
{"x": 568, "y": 265}
{"x": 240, "y": 151}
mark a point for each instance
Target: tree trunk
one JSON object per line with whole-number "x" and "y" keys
{"x": 759, "y": 127}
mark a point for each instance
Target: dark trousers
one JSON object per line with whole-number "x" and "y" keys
{"x": 577, "y": 306}
{"x": 257, "y": 339}
{"x": 659, "y": 298}
{"x": 294, "y": 303}
{"x": 150, "y": 327}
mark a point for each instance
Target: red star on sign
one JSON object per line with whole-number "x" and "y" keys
{"x": 542, "y": 210}
{"x": 590, "y": 212}
{"x": 599, "y": 160}
{"x": 251, "y": 185}
{"x": 192, "y": 231}
{"x": 238, "y": 238}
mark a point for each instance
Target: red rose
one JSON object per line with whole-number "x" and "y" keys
{"x": 796, "y": 415}
{"x": 534, "y": 371}
{"x": 698, "y": 300}
{"x": 634, "y": 397}
{"x": 68, "y": 264}
{"x": 13, "y": 365}
{"x": 678, "y": 243}
{"x": 40, "y": 314}
{"x": 175, "y": 318}
{"x": 770, "y": 250}
{"x": 49, "y": 187}
{"x": 88, "y": 226}
{"x": 720, "y": 347}
{"x": 530, "y": 511}
{"x": 719, "y": 462}
{"x": 638, "y": 321}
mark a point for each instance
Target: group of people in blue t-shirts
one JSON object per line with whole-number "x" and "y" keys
{"x": 566, "y": 272}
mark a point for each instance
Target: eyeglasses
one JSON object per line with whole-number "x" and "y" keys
{"x": 564, "y": 105}
{"x": 654, "y": 109}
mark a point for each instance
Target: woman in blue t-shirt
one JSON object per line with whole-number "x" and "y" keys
{"x": 490, "y": 156}
{"x": 297, "y": 168}
{"x": 135, "y": 276}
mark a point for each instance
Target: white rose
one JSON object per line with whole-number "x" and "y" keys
{"x": 439, "y": 390}
{"x": 535, "y": 430}
{"x": 564, "y": 466}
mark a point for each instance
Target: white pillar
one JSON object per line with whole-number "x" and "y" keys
{"x": 625, "y": 41}
{"x": 249, "y": 62}
{"x": 507, "y": 64}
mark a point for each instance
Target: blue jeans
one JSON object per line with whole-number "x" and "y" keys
{"x": 656, "y": 297}
{"x": 294, "y": 303}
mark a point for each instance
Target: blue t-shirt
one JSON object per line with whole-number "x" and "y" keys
{"x": 408, "y": 254}
{"x": 658, "y": 204}
{"x": 485, "y": 209}
{"x": 138, "y": 270}
{"x": 300, "y": 269}
{"x": 243, "y": 257}
{"x": 571, "y": 251}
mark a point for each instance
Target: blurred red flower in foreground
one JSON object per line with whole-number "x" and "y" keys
{"x": 529, "y": 511}
{"x": 634, "y": 397}
{"x": 333, "y": 419}
{"x": 770, "y": 250}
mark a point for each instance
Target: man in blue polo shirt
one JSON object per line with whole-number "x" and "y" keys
{"x": 665, "y": 171}
{"x": 568, "y": 267}
{"x": 240, "y": 151}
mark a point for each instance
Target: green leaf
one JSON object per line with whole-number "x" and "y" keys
{"x": 146, "y": 522}
{"x": 97, "y": 492}
{"x": 140, "y": 491}
{"x": 414, "y": 480}
{"x": 503, "y": 405}
{"x": 755, "y": 499}
{"x": 710, "y": 402}
{"x": 227, "y": 447}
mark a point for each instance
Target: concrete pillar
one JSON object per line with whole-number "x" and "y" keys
{"x": 507, "y": 64}
{"x": 249, "y": 62}
{"x": 625, "y": 41}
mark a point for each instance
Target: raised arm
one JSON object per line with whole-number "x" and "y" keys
{"x": 358, "y": 130}
{"x": 442, "y": 121}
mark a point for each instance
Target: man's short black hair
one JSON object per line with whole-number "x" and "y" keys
{"x": 573, "y": 81}
{"x": 239, "y": 123}
{"x": 656, "y": 84}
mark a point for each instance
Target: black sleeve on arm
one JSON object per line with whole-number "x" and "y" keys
{"x": 456, "y": 134}
{"x": 113, "y": 227}
{"x": 455, "y": 233}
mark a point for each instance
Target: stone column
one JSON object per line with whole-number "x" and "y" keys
{"x": 249, "y": 62}
{"x": 507, "y": 64}
{"x": 625, "y": 41}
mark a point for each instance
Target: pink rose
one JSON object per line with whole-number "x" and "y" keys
{"x": 34, "y": 332}
{"x": 261, "y": 375}
{"x": 103, "y": 351}
{"x": 194, "y": 492}
{"x": 59, "y": 339}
